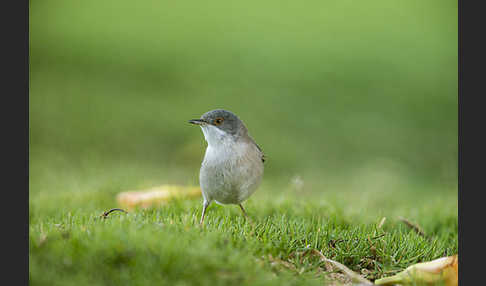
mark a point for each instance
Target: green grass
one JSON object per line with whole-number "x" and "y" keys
{"x": 357, "y": 99}
{"x": 166, "y": 246}
{"x": 71, "y": 245}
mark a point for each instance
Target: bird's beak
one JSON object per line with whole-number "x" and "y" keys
{"x": 198, "y": 121}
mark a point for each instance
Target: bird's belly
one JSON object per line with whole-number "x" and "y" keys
{"x": 230, "y": 181}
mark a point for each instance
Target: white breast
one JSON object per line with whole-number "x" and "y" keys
{"x": 231, "y": 170}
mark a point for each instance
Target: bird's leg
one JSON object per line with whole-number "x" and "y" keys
{"x": 247, "y": 218}
{"x": 243, "y": 210}
{"x": 205, "y": 206}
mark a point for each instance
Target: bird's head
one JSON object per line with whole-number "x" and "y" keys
{"x": 219, "y": 125}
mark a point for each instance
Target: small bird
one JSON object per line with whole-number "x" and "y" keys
{"x": 232, "y": 167}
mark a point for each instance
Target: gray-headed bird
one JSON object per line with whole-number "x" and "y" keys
{"x": 232, "y": 168}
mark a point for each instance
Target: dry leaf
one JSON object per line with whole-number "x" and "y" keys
{"x": 444, "y": 269}
{"x": 156, "y": 196}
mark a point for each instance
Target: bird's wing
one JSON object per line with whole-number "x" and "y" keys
{"x": 261, "y": 151}
{"x": 262, "y": 155}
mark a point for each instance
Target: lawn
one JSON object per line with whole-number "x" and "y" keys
{"x": 71, "y": 245}
{"x": 354, "y": 105}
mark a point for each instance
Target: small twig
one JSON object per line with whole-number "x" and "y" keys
{"x": 332, "y": 243}
{"x": 105, "y": 214}
{"x": 381, "y": 222}
{"x": 378, "y": 236}
{"x": 413, "y": 226}
{"x": 350, "y": 273}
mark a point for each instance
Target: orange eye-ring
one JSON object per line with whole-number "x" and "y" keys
{"x": 218, "y": 121}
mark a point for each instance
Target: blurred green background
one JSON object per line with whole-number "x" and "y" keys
{"x": 358, "y": 95}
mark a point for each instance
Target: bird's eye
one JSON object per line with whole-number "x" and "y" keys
{"x": 218, "y": 121}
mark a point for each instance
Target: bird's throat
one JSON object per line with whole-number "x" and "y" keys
{"x": 215, "y": 136}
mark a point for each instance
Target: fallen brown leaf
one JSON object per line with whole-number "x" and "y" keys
{"x": 156, "y": 196}
{"x": 443, "y": 269}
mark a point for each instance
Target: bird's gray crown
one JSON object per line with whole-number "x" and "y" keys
{"x": 225, "y": 120}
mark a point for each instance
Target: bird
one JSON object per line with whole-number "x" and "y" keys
{"x": 232, "y": 168}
